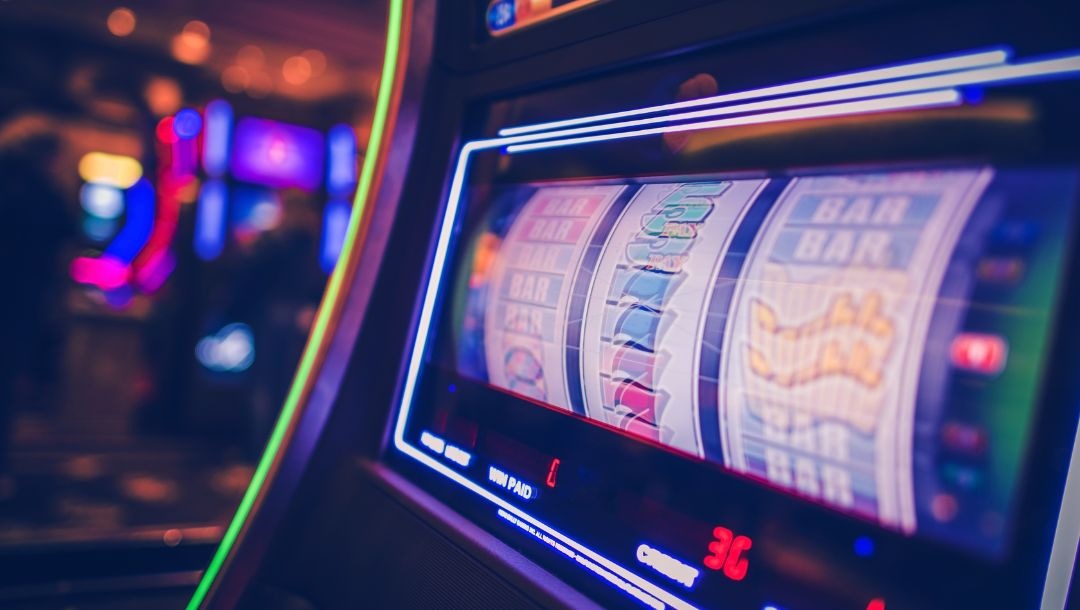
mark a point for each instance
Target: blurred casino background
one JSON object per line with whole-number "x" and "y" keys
{"x": 176, "y": 178}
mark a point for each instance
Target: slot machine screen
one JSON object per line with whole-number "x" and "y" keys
{"x": 780, "y": 388}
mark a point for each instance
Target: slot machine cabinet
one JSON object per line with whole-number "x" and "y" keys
{"x": 693, "y": 305}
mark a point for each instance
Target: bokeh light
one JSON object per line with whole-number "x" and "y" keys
{"x": 260, "y": 85}
{"x": 187, "y": 123}
{"x": 210, "y": 219}
{"x": 101, "y": 200}
{"x": 317, "y": 59}
{"x": 121, "y": 21}
{"x": 218, "y": 125}
{"x": 192, "y": 45}
{"x": 99, "y": 229}
{"x": 197, "y": 28}
{"x": 251, "y": 56}
{"x": 864, "y": 546}
{"x": 163, "y": 95}
{"x": 230, "y": 350}
{"x": 235, "y": 79}
{"x": 114, "y": 170}
{"x": 296, "y": 70}
{"x": 165, "y": 132}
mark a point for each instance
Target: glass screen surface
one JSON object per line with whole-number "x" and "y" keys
{"x": 751, "y": 387}
{"x": 867, "y": 341}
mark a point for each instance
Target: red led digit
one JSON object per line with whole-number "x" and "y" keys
{"x": 735, "y": 567}
{"x": 726, "y": 553}
{"x": 718, "y": 548}
{"x": 553, "y": 471}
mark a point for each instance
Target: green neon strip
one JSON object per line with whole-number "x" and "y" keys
{"x": 322, "y": 320}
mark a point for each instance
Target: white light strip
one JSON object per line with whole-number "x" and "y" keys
{"x": 853, "y": 93}
{"x": 962, "y": 61}
{"x": 946, "y": 97}
{"x": 1066, "y": 538}
{"x": 427, "y": 310}
{"x": 983, "y": 76}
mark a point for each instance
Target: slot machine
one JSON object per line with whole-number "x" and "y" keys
{"x": 692, "y": 305}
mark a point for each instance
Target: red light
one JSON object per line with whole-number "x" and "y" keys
{"x": 725, "y": 553}
{"x": 553, "y": 471}
{"x": 876, "y": 604}
{"x": 979, "y": 353}
{"x": 164, "y": 131}
{"x": 1000, "y": 270}
{"x": 962, "y": 437}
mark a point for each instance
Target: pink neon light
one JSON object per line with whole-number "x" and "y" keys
{"x": 158, "y": 269}
{"x": 107, "y": 272}
{"x": 168, "y": 214}
{"x": 155, "y": 263}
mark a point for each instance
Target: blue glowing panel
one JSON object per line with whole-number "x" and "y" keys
{"x": 210, "y": 220}
{"x": 219, "y": 119}
{"x": 276, "y": 154}
{"x": 140, "y": 199}
{"x": 341, "y": 173}
{"x": 254, "y": 210}
{"x": 335, "y": 225}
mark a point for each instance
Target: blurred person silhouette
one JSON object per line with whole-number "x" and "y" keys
{"x": 278, "y": 290}
{"x": 34, "y": 227}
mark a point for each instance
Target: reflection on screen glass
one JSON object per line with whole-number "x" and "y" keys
{"x": 867, "y": 341}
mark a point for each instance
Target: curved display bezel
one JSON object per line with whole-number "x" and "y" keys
{"x": 1023, "y": 564}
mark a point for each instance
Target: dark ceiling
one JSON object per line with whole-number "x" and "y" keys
{"x": 349, "y": 33}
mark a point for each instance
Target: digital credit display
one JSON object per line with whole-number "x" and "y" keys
{"x": 505, "y": 16}
{"x": 868, "y": 342}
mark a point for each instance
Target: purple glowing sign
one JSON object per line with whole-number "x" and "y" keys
{"x": 277, "y": 155}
